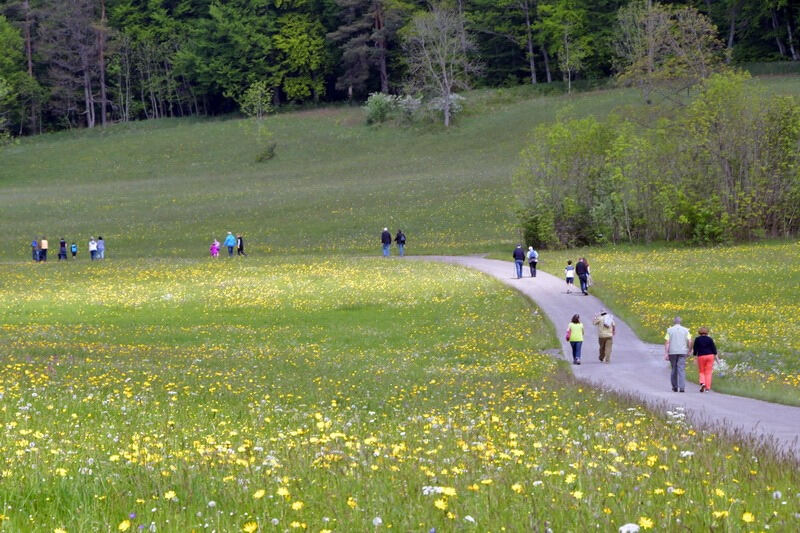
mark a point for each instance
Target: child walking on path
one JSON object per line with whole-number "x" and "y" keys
{"x": 569, "y": 275}
{"x": 214, "y": 248}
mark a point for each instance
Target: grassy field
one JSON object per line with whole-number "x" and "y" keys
{"x": 166, "y": 188}
{"x": 748, "y": 296}
{"x": 349, "y": 395}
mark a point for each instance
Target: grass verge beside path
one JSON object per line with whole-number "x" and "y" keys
{"x": 347, "y": 395}
{"x": 748, "y": 295}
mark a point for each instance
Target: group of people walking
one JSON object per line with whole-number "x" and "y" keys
{"x": 40, "y": 247}
{"x": 386, "y": 242}
{"x": 580, "y": 269}
{"x": 520, "y": 256}
{"x": 606, "y": 329}
{"x": 230, "y": 243}
{"x": 678, "y": 346}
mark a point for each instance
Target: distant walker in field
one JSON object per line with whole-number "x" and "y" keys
{"x": 101, "y": 248}
{"x": 43, "y": 246}
{"x": 569, "y": 276}
{"x": 240, "y": 245}
{"x": 214, "y": 248}
{"x": 35, "y": 249}
{"x": 533, "y": 260}
{"x": 230, "y": 242}
{"x": 582, "y": 271}
{"x": 400, "y": 239}
{"x": 386, "y": 241}
{"x": 606, "y": 329}
{"x": 677, "y": 344}
{"x": 92, "y": 249}
{"x": 62, "y": 249}
{"x": 519, "y": 259}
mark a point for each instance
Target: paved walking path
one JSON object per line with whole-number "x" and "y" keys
{"x": 637, "y": 367}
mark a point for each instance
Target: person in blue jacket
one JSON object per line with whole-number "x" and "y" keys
{"x": 230, "y": 242}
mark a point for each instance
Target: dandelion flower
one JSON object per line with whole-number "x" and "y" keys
{"x": 297, "y": 505}
{"x": 748, "y": 517}
{"x": 516, "y": 487}
{"x": 125, "y": 525}
{"x": 441, "y": 503}
{"x": 259, "y": 494}
{"x": 645, "y": 523}
{"x": 250, "y": 527}
{"x": 170, "y": 494}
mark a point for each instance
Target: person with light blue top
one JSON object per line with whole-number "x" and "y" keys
{"x": 230, "y": 242}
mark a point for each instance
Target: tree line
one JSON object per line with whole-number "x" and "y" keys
{"x": 84, "y": 63}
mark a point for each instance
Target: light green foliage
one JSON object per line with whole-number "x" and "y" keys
{"x": 301, "y": 41}
{"x": 379, "y": 107}
{"x": 563, "y": 26}
{"x": 256, "y": 102}
{"x": 723, "y": 168}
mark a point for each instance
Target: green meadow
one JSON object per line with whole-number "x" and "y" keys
{"x": 311, "y": 388}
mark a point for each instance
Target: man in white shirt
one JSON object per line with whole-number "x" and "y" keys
{"x": 677, "y": 346}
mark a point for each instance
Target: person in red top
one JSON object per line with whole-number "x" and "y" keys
{"x": 706, "y": 351}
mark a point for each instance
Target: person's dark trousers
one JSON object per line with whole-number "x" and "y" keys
{"x": 678, "y": 375}
{"x": 62, "y": 255}
{"x": 518, "y": 264}
{"x": 93, "y": 255}
{"x": 533, "y": 269}
{"x": 240, "y": 251}
{"x": 43, "y": 255}
{"x": 36, "y": 255}
{"x": 584, "y": 283}
{"x": 230, "y": 251}
{"x": 576, "y": 350}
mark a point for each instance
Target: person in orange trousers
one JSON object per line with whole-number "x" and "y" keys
{"x": 706, "y": 351}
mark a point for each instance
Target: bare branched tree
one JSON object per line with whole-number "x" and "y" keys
{"x": 439, "y": 56}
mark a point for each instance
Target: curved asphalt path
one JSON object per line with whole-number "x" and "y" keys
{"x": 638, "y": 368}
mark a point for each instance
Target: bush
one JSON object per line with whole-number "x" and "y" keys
{"x": 380, "y": 107}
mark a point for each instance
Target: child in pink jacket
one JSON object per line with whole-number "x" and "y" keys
{"x": 214, "y": 248}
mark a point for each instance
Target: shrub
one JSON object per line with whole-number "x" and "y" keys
{"x": 379, "y": 107}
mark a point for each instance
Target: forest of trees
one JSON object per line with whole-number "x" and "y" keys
{"x": 86, "y": 63}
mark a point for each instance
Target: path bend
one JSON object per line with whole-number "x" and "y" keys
{"x": 638, "y": 368}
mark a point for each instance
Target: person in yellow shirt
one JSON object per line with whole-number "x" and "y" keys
{"x": 575, "y": 338}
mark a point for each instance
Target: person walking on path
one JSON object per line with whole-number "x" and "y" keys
{"x": 400, "y": 239}
{"x": 101, "y": 248}
{"x": 519, "y": 259}
{"x": 583, "y": 275}
{"x": 569, "y": 276}
{"x": 92, "y": 249}
{"x": 43, "y": 246}
{"x": 386, "y": 241}
{"x": 240, "y": 245}
{"x": 214, "y": 248}
{"x": 73, "y": 248}
{"x": 677, "y": 344}
{"x": 706, "y": 351}
{"x": 606, "y": 329}
{"x": 35, "y": 249}
{"x": 533, "y": 259}
{"x": 230, "y": 242}
{"x": 62, "y": 249}
{"x": 575, "y": 338}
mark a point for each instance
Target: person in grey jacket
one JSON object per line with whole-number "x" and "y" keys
{"x": 677, "y": 346}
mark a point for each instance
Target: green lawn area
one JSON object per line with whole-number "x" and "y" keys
{"x": 278, "y": 394}
{"x": 748, "y": 296}
{"x": 167, "y": 188}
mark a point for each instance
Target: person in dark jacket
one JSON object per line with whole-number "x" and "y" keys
{"x": 706, "y": 351}
{"x": 582, "y": 272}
{"x": 240, "y": 245}
{"x": 519, "y": 259}
{"x": 386, "y": 241}
{"x": 62, "y": 249}
{"x": 400, "y": 239}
